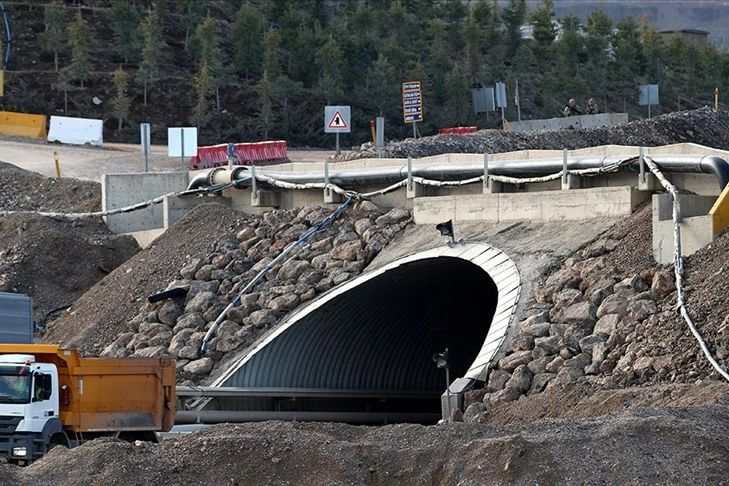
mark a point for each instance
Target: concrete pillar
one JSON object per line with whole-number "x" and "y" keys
{"x": 331, "y": 197}
{"x": 571, "y": 182}
{"x": 265, "y": 198}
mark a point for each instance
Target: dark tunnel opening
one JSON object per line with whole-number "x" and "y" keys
{"x": 376, "y": 342}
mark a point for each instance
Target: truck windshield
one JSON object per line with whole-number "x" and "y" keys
{"x": 15, "y": 384}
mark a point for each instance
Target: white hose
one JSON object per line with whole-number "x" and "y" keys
{"x": 678, "y": 264}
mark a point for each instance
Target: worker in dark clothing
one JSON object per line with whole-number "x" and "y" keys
{"x": 572, "y": 109}
{"x": 591, "y": 107}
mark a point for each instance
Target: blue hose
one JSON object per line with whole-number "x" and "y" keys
{"x": 6, "y": 59}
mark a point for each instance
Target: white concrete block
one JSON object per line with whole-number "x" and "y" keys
{"x": 76, "y": 131}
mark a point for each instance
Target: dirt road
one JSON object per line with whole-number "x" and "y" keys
{"x": 89, "y": 163}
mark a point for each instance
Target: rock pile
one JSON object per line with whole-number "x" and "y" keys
{"x": 177, "y": 326}
{"x": 594, "y": 325}
{"x": 666, "y": 129}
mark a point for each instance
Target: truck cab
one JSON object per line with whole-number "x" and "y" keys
{"x": 29, "y": 406}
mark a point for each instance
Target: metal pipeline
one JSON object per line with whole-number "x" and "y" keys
{"x": 713, "y": 165}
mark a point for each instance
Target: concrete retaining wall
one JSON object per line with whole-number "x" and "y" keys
{"x": 581, "y": 121}
{"x": 123, "y": 190}
{"x": 574, "y": 204}
{"x": 697, "y": 226}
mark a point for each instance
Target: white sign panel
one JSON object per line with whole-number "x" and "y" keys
{"x": 76, "y": 131}
{"x": 182, "y": 141}
{"x": 337, "y": 119}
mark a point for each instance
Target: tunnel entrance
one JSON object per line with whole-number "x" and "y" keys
{"x": 363, "y": 353}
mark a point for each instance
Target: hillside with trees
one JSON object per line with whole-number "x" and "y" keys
{"x": 264, "y": 69}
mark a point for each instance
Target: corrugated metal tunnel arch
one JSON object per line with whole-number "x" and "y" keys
{"x": 380, "y": 330}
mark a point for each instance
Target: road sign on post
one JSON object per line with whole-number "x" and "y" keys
{"x": 182, "y": 142}
{"x": 501, "y": 101}
{"x": 648, "y": 95}
{"x": 337, "y": 120}
{"x": 412, "y": 104}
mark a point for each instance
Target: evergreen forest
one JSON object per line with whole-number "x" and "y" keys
{"x": 251, "y": 70}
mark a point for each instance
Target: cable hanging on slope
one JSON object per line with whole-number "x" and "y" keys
{"x": 678, "y": 265}
{"x": 295, "y": 246}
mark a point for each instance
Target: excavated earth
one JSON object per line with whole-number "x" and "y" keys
{"x": 649, "y": 410}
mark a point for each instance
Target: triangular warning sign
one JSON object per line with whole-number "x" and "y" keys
{"x": 337, "y": 121}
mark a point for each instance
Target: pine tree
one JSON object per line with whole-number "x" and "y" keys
{"x": 264, "y": 89}
{"x": 191, "y": 11}
{"x": 204, "y": 86}
{"x": 329, "y": 61}
{"x": 247, "y": 36}
{"x": 543, "y": 29}
{"x": 125, "y": 23}
{"x": 80, "y": 38}
{"x": 207, "y": 40}
{"x": 54, "y": 38}
{"x": 121, "y": 103}
{"x": 513, "y": 17}
{"x": 151, "y": 51}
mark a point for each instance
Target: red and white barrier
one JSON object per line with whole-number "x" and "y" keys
{"x": 457, "y": 130}
{"x": 254, "y": 153}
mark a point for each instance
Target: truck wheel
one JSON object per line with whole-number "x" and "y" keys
{"x": 59, "y": 439}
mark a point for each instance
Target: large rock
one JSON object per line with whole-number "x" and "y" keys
{"x": 663, "y": 283}
{"x": 394, "y": 216}
{"x": 511, "y": 362}
{"x": 521, "y": 379}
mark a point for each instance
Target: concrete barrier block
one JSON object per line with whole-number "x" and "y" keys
{"x": 76, "y": 131}
{"x": 23, "y": 124}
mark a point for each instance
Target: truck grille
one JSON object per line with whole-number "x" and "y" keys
{"x": 9, "y": 424}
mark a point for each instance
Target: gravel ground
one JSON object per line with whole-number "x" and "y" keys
{"x": 607, "y": 431}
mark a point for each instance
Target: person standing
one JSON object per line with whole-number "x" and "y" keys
{"x": 591, "y": 107}
{"x": 572, "y": 109}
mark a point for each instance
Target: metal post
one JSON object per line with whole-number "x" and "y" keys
{"x": 415, "y": 132}
{"x": 564, "y": 167}
{"x": 485, "y": 171}
{"x": 503, "y": 120}
{"x": 231, "y": 155}
{"x": 254, "y": 182}
{"x": 649, "y": 101}
{"x": 337, "y": 143}
{"x": 641, "y": 163}
{"x": 448, "y": 390}
{"x": 182, "y": 148}
{"x": 410, "y": 173}
{"x": 144, "y": 130}
{"x": 518, "y": 105}
{"x": 326, "y": 176}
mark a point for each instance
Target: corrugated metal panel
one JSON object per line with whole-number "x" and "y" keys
{"x": 16, "y": 318}
{"x": 380, "y": 330}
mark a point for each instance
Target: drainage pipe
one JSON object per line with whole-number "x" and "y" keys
{"x": 716, "y": 166}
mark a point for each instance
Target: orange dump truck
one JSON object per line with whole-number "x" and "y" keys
{"x": 50, "y": 396}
